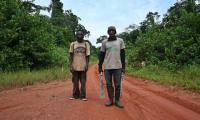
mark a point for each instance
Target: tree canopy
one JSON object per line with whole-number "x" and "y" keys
{"x": 29, "y": 40}
{"x": 172, "y": 42}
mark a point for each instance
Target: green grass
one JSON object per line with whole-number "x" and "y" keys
{"x": 187, "y": 78}
{"x": 25, "y": 78}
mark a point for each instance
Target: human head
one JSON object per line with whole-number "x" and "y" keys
{"x": 111, "y": 31}
{"x": 79, "y": 36}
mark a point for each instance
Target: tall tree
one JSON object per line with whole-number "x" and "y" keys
{"x": 173, "y": 17}
{"x": 31, "y": 7}
{"x": 57, "y": 13}
{"x": 150, "y": 22}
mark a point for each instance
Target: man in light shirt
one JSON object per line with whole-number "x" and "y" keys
{"x": 112, "y": 54}
{"x": 79, "y": 60}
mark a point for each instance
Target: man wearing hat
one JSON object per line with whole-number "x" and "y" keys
{"x": 112, "y": 54}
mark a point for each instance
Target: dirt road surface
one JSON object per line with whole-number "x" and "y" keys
{"x": 143, "y": 100}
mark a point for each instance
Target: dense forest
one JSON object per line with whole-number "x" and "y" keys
{"x": 172, "y": 42}
{"x": 29, "y": 40}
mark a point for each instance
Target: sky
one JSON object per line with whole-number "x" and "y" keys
{"x": 98, "y": 15}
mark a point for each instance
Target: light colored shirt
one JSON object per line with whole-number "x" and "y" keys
{"x": 112, "y": 49}
{"x": 80, "y": 51}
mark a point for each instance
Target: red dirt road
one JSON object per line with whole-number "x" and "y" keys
{"x": 143, "y": 100}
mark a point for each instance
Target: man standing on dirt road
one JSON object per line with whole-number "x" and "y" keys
{"x": 79, "y": 60}
{"x": 112, "y": 54}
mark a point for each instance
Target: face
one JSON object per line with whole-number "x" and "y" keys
{"x": 79, "y": 36}
{"x": 111, "y": 33}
